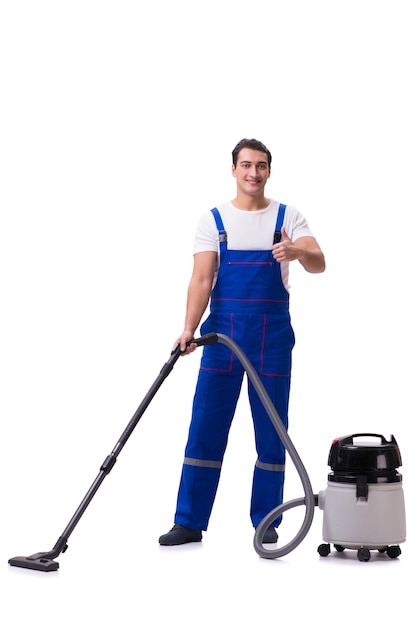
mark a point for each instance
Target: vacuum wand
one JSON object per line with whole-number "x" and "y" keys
{"x": 44, "y": 561}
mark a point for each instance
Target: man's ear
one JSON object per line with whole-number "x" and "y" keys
{"x": 233, "y": 170}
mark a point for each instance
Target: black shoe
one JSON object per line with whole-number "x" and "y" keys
{"x": 180, "y": 534}
{"x": 270, "y": 536}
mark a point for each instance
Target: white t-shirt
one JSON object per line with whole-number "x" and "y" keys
{"x": 249, "y": 230}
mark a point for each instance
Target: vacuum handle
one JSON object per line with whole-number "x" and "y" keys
{"x": 350, "y": 438}
{"x": 205, "y": 340}
{"x": 199, "y": 341}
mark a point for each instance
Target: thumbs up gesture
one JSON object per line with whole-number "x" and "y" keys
{"x": 286, "y": 249}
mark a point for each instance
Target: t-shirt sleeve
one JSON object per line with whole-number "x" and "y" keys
{"x": 206, "y": 235}
{"x": 296, "y": 224}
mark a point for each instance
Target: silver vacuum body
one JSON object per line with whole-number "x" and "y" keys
{"x": 363, "y": 504}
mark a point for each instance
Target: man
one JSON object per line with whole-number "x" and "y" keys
{"x": 242, "y": 253}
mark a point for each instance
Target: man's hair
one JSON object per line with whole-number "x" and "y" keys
{"x": 253, "y": 144}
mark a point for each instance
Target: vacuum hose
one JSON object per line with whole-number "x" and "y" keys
{"x": 310, "y": 500}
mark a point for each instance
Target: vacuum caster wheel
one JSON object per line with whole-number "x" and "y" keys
{"x": 324, "y": 549}
{"x": 339, "y": 548}
{"x": 363, "y": 554}
{"x": 393, "y": 552}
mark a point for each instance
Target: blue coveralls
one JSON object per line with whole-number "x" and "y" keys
{"x": 250, "y": 304}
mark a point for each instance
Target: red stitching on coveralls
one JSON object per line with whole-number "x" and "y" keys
{"x": 247, "y": 300}
{"x": 262, "y": 354}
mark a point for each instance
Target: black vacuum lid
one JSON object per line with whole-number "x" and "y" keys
{"x": 364, "y": 452}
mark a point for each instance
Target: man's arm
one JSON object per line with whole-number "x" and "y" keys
{"x": 305, "y": 249}
{"x": 198, "y": 295}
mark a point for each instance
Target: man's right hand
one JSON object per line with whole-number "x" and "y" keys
{"x": 184, "y": 338}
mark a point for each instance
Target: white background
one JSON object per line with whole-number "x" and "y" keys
{"x": 118, "y": 119}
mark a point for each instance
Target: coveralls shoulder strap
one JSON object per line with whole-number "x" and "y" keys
{"x": 220, "y": 226}
{"x": 279, "y": 223}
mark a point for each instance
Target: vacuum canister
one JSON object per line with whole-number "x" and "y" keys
{"x": 363, "y": 503}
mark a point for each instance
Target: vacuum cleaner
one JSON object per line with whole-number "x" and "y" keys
{"x": 363, "y": 503}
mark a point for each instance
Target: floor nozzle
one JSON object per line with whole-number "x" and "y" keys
{"x": 38, "y": 562}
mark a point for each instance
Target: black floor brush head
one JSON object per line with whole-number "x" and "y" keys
{"x": 36, "y": 562}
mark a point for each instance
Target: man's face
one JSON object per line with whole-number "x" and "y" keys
{"x": 252, "y": 171}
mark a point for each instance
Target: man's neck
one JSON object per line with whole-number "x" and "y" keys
{"x": 246, "y": 202}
